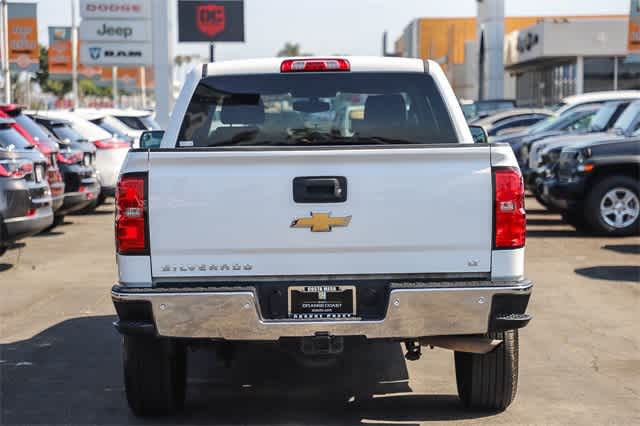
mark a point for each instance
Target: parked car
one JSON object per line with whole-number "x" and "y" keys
{"x": 610, "y": 118}
{"x": 477, "y": 110}
{"x": 512, "y": 121}
{"x": 595, "y": 98}
{"x": 25, "y": 200}
{"x": 110, "y": 150}
{"x": 129, "y": 121}
{"x": 25, "y": 126}
{"x": 598, "y": 181}
{"x": 576, "y": 120}
{"x": 304, "y": 235}
{"x": 83, "y": 185}
{"x": 107, "y": 123}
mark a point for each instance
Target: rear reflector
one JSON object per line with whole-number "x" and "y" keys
{"x": 510, "y": 216}
{"x": 130, "y": 215}
{"x": 314, "y": 65}
{"x": 111, "y": 144}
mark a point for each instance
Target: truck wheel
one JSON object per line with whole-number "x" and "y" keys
{"x": 489, "y": 381}
{"x": 613, "y": 206}
{"x": 154, "y": 375}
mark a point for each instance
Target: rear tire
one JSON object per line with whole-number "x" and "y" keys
{"x": 154, "y": 375}
{"x": 605, "y": 195}
{"x": 575, "y": 218}
{"x": 489, "y": 381}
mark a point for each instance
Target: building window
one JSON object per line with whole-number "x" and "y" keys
{"x": 628, "y": 75}
{"x": 598, "y": 74}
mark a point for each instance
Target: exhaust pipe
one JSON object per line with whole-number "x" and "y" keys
{"x": 470, "y": 344}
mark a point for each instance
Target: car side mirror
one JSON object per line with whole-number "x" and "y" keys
{"x": 151, "y": 139}
{"x": 479, "y": 134}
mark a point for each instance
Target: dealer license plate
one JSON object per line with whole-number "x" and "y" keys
{"x": 322, "y": 302}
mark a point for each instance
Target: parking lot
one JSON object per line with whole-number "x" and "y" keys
{"x": 60, "y": 356}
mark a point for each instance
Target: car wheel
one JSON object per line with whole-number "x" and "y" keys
{"x": 154, "y": 375}
{"x": 57, "y": 221}
{"x": 3, "y": 244}
{"x": 613, "y": 206}
{"x": 489, "y": 381}
{"x": 101, "y": 199}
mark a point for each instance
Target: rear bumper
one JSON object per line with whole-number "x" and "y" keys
{"x": 25, "y": 226}
{"x": 234, "y": 313}
{"x": 74, "y": 201}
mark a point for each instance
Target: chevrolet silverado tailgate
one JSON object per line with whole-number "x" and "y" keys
{"x": 220, "y": 213}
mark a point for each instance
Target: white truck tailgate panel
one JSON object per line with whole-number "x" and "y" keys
{"x": 413, "y": 210}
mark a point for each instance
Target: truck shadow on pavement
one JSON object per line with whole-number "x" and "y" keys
{"x": 612, "y": 273}
{"x": 71, "y": 374}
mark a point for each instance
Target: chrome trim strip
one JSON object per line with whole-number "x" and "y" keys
{"x": 235, "y": 315}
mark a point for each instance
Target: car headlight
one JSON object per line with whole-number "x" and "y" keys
{"x": 86, "y": 160}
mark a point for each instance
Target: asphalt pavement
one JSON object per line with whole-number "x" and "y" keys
{"x": 60, "y": 358}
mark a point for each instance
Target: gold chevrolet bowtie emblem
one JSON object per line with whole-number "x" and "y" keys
{"x": 320, "y": 222}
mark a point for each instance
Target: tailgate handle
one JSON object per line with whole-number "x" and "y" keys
{"x": 320, "y": 189}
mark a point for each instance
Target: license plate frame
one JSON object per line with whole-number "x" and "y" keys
{"x": 323, "y": 304}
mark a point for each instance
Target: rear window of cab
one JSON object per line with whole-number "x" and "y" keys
{"x": 316, "y": 109}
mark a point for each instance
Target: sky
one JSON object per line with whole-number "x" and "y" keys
{"x": 328, "y": 27}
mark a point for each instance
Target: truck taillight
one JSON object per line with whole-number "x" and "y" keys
{"x": 509, "y": 213}
{"x": 131, "y": 215}
{"x": 314, "y": 65}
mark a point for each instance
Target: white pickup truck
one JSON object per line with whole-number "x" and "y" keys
{"x": 256, "y": 218}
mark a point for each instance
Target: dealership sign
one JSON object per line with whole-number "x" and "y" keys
{"x": 118, "y": 31}
{"x": 210, "y": 21}
{"x": 115, "y": 33}
{"x": 92, "y": 53}
{"x": 24, "y": 54}
{"x": 60, "y": 56}
{"x": 115, "y": 9}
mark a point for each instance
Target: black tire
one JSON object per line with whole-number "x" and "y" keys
{"x": 101, "y": 199}
{"x": 575, "y": 218}
{"x": 540, "y": 200}
{"x": 489, "y": 381}
{"x": 3, "y": 244}
{"x": 592, "y": 213}
{"x": 154, "y": 375}
{"x": 57, "y": 221}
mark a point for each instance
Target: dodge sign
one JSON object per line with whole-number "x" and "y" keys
{"x": 118, "y": 9}
{"x": 209, "y": 21}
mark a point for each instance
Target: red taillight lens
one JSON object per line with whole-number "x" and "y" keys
{"x": 111, "y": 144}
{"x": 510, "y": 216}
{"x": 69, "y": 157}
{"x": 16, "y": 169}
{"x": 131, "y": 215}
{"x": 314, "y": 65}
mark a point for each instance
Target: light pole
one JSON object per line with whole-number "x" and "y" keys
{"x": 5, "y": 51}
{"x": 74, "y": 55}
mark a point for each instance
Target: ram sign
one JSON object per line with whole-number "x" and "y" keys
{"x": 209, "y": 21}
{"x": 92, "y": 53}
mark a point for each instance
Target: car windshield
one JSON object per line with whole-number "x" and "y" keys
{"x": 111, "y": 129}
{"x": 31, "y": 127}
{"x": 10, "y": 139}
{"x": 300, "y": 109}
{"x": 144, "y": 122}
{"x": 601, "y": 120}
{"x": 149, "y": 122}
{"x": 574, "y": 119}
{"x": 63, "y": 131}
{"x": 627, "y": 118}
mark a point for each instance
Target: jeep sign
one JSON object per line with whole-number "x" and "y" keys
{"x": 115, "y": 9}
{"x": 92, "y": 53}
{"x": 115, "y": 30}
{"x": 209, "y": 21}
